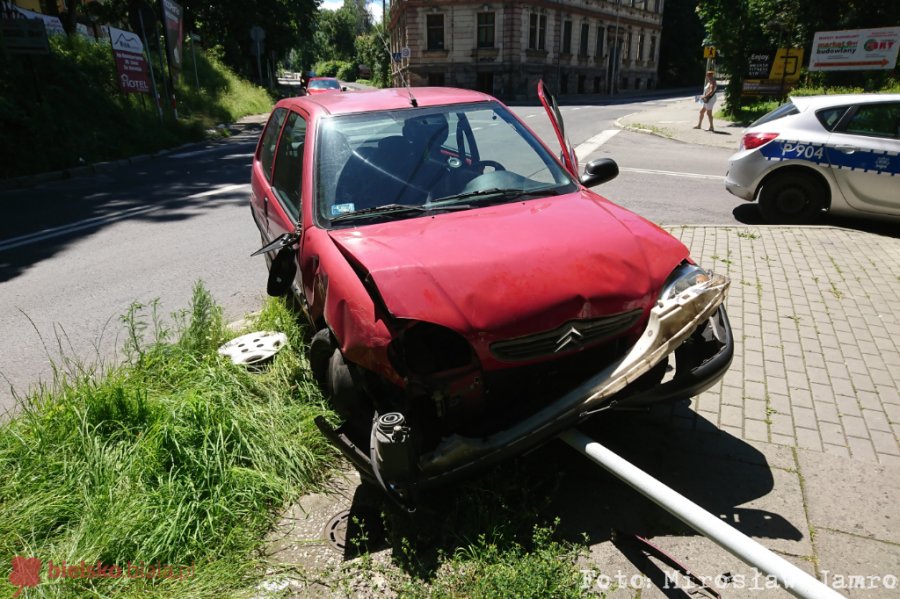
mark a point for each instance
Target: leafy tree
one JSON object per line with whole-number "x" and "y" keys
{"x": 680, "y": 60}
{"x": 372, "y": 50}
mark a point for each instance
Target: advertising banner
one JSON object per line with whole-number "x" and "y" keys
{"x": 855, "y": 50}
{"x": 174, "y": 32}
{"x": 772, "y": 72}
{"x": 52, "y": 24}
{"x": 131, "y": 64}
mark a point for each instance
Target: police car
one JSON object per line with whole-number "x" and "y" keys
{"x": 816, "y": 154}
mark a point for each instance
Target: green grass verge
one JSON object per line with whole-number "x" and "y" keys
{"x": 748, "y": 113}
{"x": 176, "y": 457}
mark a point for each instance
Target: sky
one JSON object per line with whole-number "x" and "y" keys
{"x": 374, "y": 7}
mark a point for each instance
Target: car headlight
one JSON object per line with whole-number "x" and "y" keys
{"x": 684, "y": 277}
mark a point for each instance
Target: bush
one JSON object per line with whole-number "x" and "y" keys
{"x": 328, "y": 68}
{"x": 347, "y": 72}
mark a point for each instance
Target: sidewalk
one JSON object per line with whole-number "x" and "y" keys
{"x": 796, "y": 447}
{"x": 676, "y": 119}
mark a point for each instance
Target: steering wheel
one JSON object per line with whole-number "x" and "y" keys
{"x": 491, "y": 163}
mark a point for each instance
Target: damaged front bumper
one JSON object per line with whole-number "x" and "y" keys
{"x": 692, "y": 324}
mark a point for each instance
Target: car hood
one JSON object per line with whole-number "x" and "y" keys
{"x": 516, "y": 268}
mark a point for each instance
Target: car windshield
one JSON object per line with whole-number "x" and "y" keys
{"x": 324, "y": 84}
{"x": 780, "y": 112}
{"x": 428, "y": 160}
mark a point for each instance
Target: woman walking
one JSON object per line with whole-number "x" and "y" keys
{"x": 707, "y": 100}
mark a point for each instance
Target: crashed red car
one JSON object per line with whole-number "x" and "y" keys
{"x": 470, "y": 296}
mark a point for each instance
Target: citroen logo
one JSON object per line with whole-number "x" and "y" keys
{"x": 570, "y": 338}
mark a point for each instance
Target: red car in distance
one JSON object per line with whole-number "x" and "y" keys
{"x": 469, "y": 297}
{"x": 323, "y": 85}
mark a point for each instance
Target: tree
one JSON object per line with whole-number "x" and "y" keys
{"x": 680, "y": 60}
{"x": 372, "y": 50}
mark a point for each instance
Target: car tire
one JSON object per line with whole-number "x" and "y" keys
{"x": 791, "y": 199}
{"x": 321, "y": 347}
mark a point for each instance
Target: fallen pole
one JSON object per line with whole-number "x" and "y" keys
{"x": 793, "y": 579}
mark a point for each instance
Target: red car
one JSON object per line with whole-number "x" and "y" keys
{"x": 323, "y": 85}
{"x": 470, "y": 296}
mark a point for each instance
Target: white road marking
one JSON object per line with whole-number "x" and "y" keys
{"x": 192, "y": 153}
{"x": 585, "y": 149}
{"x": 102, "y": 220}
{"x": 647, "y": 171}
{"x": 530, "y": 116}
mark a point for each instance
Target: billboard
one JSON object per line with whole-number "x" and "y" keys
{"x": 130, "y": 62}
{"x": 174, "y": 32}
{"x": 855, "y": 50}
{"x": 772, "y": 72}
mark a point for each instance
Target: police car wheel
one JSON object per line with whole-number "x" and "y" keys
{"x": 791, "y": 199}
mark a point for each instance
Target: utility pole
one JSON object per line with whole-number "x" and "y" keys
{"x": 614, "y": 56}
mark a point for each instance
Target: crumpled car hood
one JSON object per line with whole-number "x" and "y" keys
{"x": 513, "y": 269}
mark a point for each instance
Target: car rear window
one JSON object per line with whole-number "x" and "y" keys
{"x": 830, "y": 117}
{"x": 779, "y": 113}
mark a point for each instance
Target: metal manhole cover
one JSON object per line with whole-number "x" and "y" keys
{"x": 336, "y": 530}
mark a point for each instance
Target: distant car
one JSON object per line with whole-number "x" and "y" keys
{"x": 323, "y": 85}
{"x": 470, "y": 297}
{"x": 839, "y": 154}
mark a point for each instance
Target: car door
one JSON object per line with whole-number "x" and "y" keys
{"x": 567, "y": 155}
{"x": 284, "y": 215}
{"x": 261, "y": 179}
{"x": 863, "y": 153}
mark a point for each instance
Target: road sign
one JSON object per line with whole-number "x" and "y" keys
{"x": 24, "y": 36}
{"x": 257, "y": 33}
{"x": 397, "y": 56}
{"x": 404, "y": 52}
{"x": 709, "y": 52}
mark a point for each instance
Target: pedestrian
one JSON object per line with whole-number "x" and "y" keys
{"x": 707, "y": 100}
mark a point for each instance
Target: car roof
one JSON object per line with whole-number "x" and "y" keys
{"x": 817, "y": 102}
{"x": 320, "y": 78}
{"x": 394, "y": 98}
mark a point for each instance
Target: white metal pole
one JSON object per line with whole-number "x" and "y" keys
{"x": 793, "y": 579}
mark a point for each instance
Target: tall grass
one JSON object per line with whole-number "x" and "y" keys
{"x": 175, "y": 457}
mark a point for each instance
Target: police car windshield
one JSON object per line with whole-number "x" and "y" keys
{"x": 780, "y": 112}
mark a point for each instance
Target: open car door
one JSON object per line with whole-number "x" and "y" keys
{"x": 570, "y": 160}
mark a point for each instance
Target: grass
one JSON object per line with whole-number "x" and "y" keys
{"x": 175, "y": 457}
{"x": 651, "y": 128}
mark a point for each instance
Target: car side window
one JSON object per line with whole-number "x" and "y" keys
{"x": 289, "y": 165}
{"x": 829, "y": 117}
{"x": 878, "y": 120}
{"x": 270, "y": 140}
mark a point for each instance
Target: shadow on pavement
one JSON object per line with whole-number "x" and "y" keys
{"x": 749, "y": 214}
{"x": 712, "y": 468}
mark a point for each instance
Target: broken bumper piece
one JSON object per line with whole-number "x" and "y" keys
{"x": 692, "y": 324}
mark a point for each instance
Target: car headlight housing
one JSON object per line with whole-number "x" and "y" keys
{"x": 684, "y": 277}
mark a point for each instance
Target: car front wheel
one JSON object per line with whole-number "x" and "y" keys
{"x": 791, "y": 199}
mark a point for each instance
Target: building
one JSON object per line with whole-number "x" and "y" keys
{"x": 504, "y": 48}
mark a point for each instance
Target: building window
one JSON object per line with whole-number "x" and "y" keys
{"x": 597, "y": 82}
{"x": 652, "y": 56}
{"x": 564, "y": 83}
{"x": 581, "y": 80}
{"x": 656, "y": 6}
{"x": 533, "y": 32}
{"x": 599, "y": 53}
{"x": 485, "y": 30}
{"x": 542, "y": 33}
{"x": 537, "y": 32}
{"x": 567, "y": 38}
{"x": 436, "y": 79}
{"x": 435, "y": 32}
{"x": 640, "y": 46}
{"x": 582, "y": 49}
{"x": 626, "y": 54}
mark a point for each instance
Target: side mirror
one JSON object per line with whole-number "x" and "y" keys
{"x": 599, "y": 171}
{"x": 344, "y": 88}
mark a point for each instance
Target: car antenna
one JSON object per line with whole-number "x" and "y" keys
{"x": 399, "y": 72}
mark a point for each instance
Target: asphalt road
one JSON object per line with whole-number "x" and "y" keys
{"x": 77, "y": 253}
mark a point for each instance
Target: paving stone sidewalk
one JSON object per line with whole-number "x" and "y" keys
{"x": 797, "y": 447}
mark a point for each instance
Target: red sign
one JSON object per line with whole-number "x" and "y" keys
{"x": 131, "y": 65}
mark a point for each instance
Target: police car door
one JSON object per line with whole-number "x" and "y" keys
{"x": 864, "y": 153}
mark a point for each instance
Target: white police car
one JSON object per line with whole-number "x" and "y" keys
{"x": 837, "y": 153}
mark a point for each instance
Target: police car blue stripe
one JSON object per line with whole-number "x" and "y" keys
{"x": 880, "y": 163}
